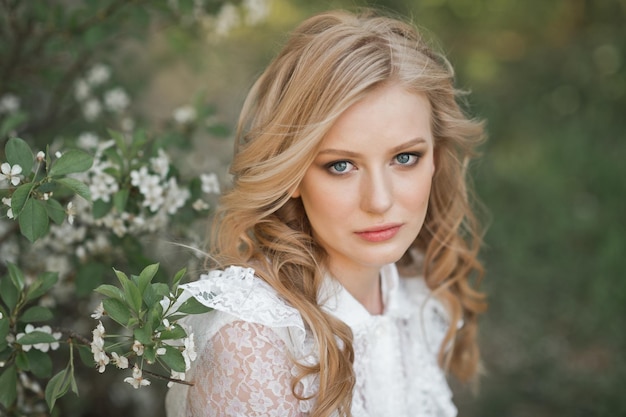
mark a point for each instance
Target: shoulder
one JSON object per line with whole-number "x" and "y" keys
{"x": 237, "y": 294}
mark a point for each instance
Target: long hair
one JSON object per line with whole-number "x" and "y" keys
{"x": 330, "y": 62}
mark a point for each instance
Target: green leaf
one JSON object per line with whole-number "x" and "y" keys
{"x": 19, "y": 198}
{"x": 35, "y": 337}
{"x": 8, "y": 386}
{"x": 33, "y": 220}
{"x": 176, "y": 333}
{"x": 86, "y": 356}
{"x": 55, "y": 210}
{"x": 149, "y": 353}
{"x": 146, "y": 276}
{"x": 8, "y": 293}
{"x": 101, "y": 208}
{"x": 117, "y": 310}
{"x": 70, "y": 162}
{"x": 131, "y": 292}
{"x": 18, "y": 152}
{"x": 111, "y": 291}
{"x": 36, "y": 314}
{"x": 4, "y": 328}
{"x": 16, "y": 275}
{"x": 120, "y": 141}
{"x": 21, "y": 361}
{"x": 193, "y": 306}
{"x": 40, "y": 363}
{"x": 144, "y": 334}
{"x": 76, "y": 186}
{"x": 12, "y": 122}
{"x": 174, "y": 359}
{"x": 57, "y": 387}
{"x": 155, "y": 315}
{"x": 178, "y": 277}
{"x": 120, "y": 198}
{"x": 42, "y": 284}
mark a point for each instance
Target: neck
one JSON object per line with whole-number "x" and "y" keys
{"x": 364, "y": 286}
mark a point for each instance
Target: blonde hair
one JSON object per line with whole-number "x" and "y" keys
{"x": 330, "y": 62}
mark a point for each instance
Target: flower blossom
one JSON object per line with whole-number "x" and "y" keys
{"x": 81, "y": 90}
{"x": 71, "y": 212}
{"x": 43, "y": 347}
{"x": 88, "y": 140}
{"x": 120, "y": 361}
{"x": 41, "y": 155}
{"x": 200, "y": 205}
{"x": 189, "y": 353}
{"x": 9, "y": 103}
{"x": 98, "y": 312}
{"x": 98, "y": 74}
{"x": 176, "y": 375}
{"x": 92, "y": 109}
{"x": 175, "y": 197}
{"x": 210, "y": 183}
{"x": 137, "y": 379}
{"x": 116, "y": 100}
{"x": 7, "y": 202}
{"x": 11, "y": 173}
{"x": 97, "y": 348}
{"x": 102, "y": 186}
{"x": 184, "y": 115}
{"x": 138, "y": 348}
{"x": 160, "y": 164}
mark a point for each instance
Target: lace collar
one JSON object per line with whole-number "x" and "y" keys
{"x": 336, "y": 300}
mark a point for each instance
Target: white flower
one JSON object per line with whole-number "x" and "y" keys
{"x": 11, "y": 173}
{"x": 175, "y": 197}
{"x": 92, "y": 109}
{"x": 200, "y": 205}
{"x": 184, "y": 115}
{"x": 176, "y": 375}
{"x": 161, "y": 351}
{"x": 98, "y": 312}
{"x": 88, "y": 140}
{"x": 189, "y": 353}
{"x": 9, "y": 103}
{"x": 97, "y": 348}
{"x": 127, "y": 124}
{"x": 137, "y": 380}
{"x": 41, "y": 155}
{"x": 7, "y": 202}
{"x": 120, "y": 361}
{"x": 152, "y": 191}
{"x": 138, "y": 348}
{"x": 210, "y": 183}
{"x": 137, "y": 178}
{"x": 81, "y": 90}
{"x": 257, "y": 11}
{"x": 116, "y": 100}
{"x": 160, "y": 164}
{"x": 1, "y": 316}
{"x": 58, "y": 154}
{"x": 102, "y": 186}
{"x": 99, "y": 74}
{"x": 167, "y": 324}
{"x": 226, "y": 20}
{"x": 71, "y": 212}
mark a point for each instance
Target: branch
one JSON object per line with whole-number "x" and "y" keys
{"x": 165, "y": 378}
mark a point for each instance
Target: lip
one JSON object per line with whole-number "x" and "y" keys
{"x": 379, "y": 233}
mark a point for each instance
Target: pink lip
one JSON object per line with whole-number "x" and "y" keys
{"x": 379, "y": 233}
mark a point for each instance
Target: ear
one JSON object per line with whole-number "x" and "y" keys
{"x": 296, "y": 192}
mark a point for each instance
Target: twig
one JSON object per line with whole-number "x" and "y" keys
{"x": 165, "y": 378}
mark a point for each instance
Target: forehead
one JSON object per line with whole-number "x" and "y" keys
{"x": 388, "y": 114}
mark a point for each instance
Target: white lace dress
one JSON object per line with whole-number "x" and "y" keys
{"x": 245, "y": 346}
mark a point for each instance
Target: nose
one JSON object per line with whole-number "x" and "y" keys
{"x": 376, "y": 192}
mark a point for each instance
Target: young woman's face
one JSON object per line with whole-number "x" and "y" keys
{"x": 366, "y": 193}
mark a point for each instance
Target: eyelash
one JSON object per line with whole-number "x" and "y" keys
{"x": 331, "y": 166}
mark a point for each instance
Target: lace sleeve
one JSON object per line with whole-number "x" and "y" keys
{"x": 244, "y": 370}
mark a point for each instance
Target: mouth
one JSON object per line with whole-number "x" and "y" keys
{"x": 379, "y": 233}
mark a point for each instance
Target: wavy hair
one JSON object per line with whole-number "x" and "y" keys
{"x": 331, "y": 61}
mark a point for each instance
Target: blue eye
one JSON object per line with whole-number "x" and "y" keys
{"x": 339, "y": 167}
{"x": 406, "y": 159}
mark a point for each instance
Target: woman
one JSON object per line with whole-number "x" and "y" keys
{"x": 349, "y": 167}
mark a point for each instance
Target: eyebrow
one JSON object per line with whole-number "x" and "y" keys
{"x": 399, "y": 148}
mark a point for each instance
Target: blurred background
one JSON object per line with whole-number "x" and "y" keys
{"x": 549, "y": 78}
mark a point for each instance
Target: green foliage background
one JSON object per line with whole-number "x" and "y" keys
{"x": 549, "y": 78}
